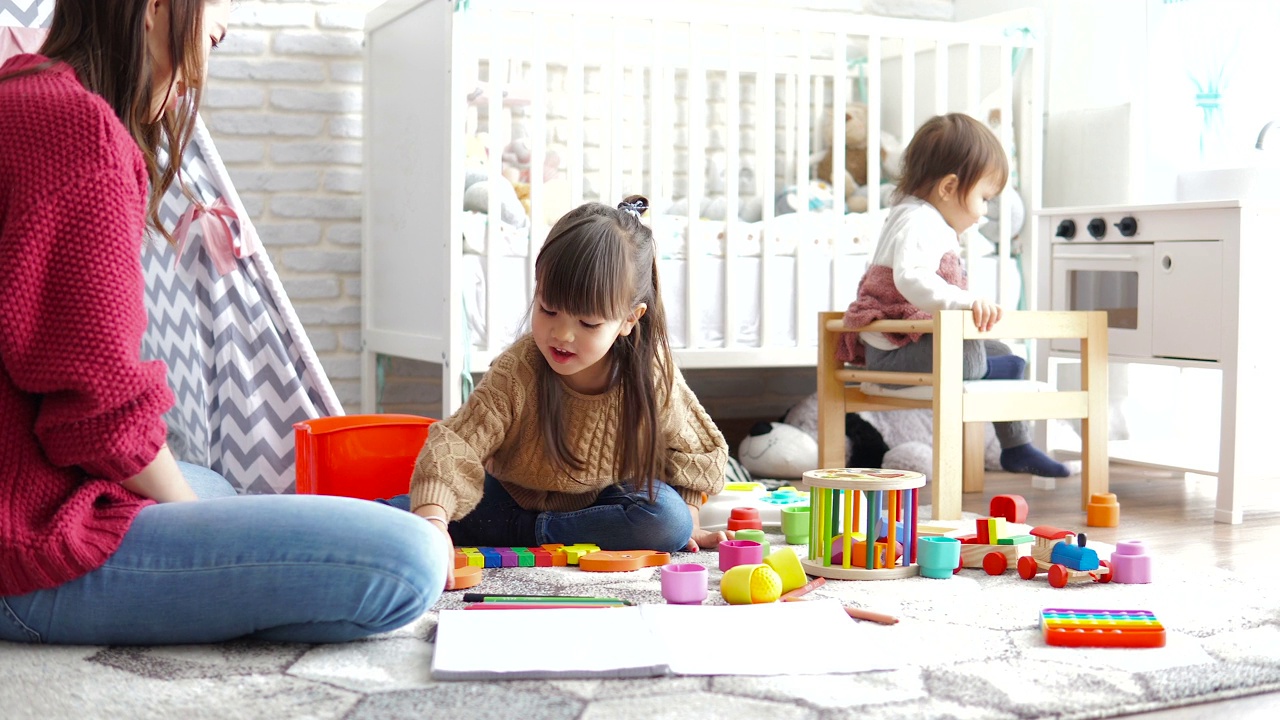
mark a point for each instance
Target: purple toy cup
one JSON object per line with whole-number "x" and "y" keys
{"x": 684, "y": 583}
{"x": 740, "y": 552}
{"x": 1130, "y": 563}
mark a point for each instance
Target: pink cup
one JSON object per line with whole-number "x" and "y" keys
{"x": 684, "y": 583}
{"x": 740, "y": 552}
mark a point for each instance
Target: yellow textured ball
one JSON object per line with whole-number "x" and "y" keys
{"x": 766, "y": 585}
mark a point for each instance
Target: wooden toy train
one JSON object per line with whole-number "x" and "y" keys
{"x": 1064, "y": 556}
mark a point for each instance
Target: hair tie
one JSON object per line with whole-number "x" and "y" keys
{"x": 635, "y": 205}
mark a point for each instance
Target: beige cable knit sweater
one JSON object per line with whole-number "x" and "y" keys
{"x": 498, "y": 428}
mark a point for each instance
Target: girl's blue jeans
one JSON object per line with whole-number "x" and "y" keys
{"x": 285, "y": 568}
{"x": 619, "y": 519}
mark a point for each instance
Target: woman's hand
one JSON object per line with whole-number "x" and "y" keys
{"x": 161, "y": 480}
{"x": 986, "y": 314}
{"x": 434, "y": 515}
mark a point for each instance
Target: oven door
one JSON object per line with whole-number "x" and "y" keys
{"x": 1112, "y": 277}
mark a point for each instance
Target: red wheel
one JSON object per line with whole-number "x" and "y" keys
{"x": 1058, "y": 576}
{"x": 1027, "y": 567}
{"x": 995, "y": 563}
{"x": 1103, "y": 577}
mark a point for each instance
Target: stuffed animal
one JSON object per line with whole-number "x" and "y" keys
{"x": 899, "y": 439}
{"x": 855, "y": 157}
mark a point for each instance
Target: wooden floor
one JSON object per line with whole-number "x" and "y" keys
{"x": 1173, "y": 515}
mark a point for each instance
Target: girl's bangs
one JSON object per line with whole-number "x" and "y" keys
{"x": 584, "y": 274}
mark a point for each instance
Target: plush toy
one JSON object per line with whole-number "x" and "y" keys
{"x": 855, "y": 157}
{"x": 899, "y": 439}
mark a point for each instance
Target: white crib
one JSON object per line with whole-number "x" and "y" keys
{"x": 712, "y": 110}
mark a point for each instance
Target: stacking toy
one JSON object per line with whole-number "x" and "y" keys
{"x": 1103, "y": 510}
{"x": 745, "y": 518}
{"x": 1130, "y": 563}
{"x": 756, "y": 535}
{"x": 748, "y": 584}
{"x": 740, "y": 552}
{"x": 684, "y": 583}
{"x": 786, "y": 563}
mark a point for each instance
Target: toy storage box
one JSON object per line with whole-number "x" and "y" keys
{"x": 359, "y": 456}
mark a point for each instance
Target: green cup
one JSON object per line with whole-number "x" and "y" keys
{"x": 757, "y": 535}
{"x": 795, "y": 525}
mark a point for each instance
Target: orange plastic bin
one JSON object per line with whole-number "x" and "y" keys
{"x": 359, "y": 456}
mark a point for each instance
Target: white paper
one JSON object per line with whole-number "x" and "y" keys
{"x": 798, "y": 638}
{"x": 794, "y": 638}
{"x": 556, "y": 642}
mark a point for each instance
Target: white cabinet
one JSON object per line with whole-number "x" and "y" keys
{"x": 1186, "y": 307}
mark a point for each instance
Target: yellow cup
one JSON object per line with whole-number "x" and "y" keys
{"x": 748, "y": 584}
{"x": 786, "y": 563}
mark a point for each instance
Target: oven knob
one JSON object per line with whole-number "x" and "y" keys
{"x": 1128, "y": 226}
{"x": 1097, "y": 228}
{"x": 1066, "y": 229}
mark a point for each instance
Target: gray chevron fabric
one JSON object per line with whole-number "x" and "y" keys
{"x": 25, "y": 13}
{"x": 241, "y": 375}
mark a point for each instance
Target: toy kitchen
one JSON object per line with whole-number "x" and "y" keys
{"x": 1188, "y": 285}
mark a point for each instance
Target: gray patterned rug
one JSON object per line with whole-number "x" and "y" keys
{"x": 978, "y": 648}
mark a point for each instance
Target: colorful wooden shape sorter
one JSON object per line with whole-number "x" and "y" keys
{"x": 622, "y": 560}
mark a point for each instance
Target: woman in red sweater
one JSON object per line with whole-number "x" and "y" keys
{"x": 100, "y": 540}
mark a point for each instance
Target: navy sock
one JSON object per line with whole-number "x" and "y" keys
{"x": 1028, "y": 459}
{"x": 1005, "y": 367}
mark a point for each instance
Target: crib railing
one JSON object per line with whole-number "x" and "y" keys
{"x": 686, "y": 103}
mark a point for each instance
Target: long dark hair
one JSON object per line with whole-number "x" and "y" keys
{"x": 600, "y": 261}
{"x": 946, "y": 144}
{"x": 105, "y": 43}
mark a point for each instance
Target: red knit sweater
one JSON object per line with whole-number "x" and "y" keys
{"x": 79, "y": 410}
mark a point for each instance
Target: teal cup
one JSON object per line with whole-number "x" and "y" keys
{"x": 938, "y": 557}
{"x": 795, "y": 525}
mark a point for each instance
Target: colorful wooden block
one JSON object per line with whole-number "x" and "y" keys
{"x": 574, "y": 553}
{"x": 1010, "y": 507}
{"x": 996, "y": 529}
{"x": 984, "y": 531}
{"x": 1015, "y": 540}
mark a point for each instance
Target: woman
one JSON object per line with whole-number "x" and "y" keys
{"x": 99, "y": 540}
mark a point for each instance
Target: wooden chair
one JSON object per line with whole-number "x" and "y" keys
{"x": 959, "y": 415}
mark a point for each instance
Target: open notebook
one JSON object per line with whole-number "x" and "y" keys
{"x": 796, "y": 638}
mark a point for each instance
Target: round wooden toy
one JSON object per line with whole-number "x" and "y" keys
{"x": 467, "y": 576}
{"x": 848, "y": 506}
{"x": 622, "y": 560}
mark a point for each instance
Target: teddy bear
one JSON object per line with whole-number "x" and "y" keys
{"x": 855, "y": 157}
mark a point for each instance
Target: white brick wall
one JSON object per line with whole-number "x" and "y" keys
{"x": 283, "y": 106}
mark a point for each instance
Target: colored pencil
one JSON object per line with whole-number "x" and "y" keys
{"x": 562, "y": 599}
{"x": 805, "y": 589}
{"x": 539, "y": 605}
{"x": 860, "y": 614}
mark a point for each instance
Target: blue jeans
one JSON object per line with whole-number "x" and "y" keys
{"x": 618, "y": 520}
{"x": 283, "y": 568}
